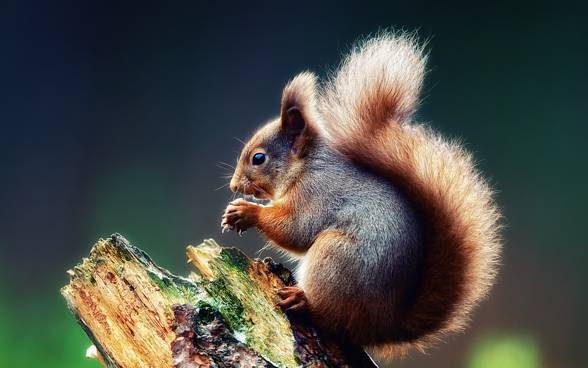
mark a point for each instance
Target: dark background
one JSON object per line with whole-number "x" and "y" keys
{"x": 114, "y": 119}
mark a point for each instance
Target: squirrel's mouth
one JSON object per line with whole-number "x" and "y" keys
{"x": 254, "y": 199}
{"x": 251, "y": 189}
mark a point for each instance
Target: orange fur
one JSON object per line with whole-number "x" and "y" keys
{"x": 273, "y": 222}
{"x": 301, "y": 92}
{"x": 366, "y": 110}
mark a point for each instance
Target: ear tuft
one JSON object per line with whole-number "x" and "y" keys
{"x": 300, "y": 92}
{"x": 298, "y": 113}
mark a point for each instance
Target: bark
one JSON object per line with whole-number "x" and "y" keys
{"x": 223, "y": 315}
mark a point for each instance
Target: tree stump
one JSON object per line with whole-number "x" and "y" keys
{"x": 223, "y": 315}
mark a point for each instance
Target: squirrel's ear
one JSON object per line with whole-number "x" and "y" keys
{"x": 295, "y": 129}
{"x": 298, "y": 111}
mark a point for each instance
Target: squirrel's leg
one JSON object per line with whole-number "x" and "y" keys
{"x": 332, "y": 276}
{"x": 314, "y": 276}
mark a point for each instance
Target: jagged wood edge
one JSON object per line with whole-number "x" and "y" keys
{"x": 353, "y": 354}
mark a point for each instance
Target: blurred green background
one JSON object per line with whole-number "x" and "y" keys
{"x": 115, "y": 116}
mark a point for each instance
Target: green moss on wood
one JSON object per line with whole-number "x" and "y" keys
{"x": 109, "y": 290}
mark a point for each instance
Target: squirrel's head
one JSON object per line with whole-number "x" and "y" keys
{"x": 274, "y": 157}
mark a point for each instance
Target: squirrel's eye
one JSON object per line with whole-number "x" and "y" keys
{"x": 258, "y": 158}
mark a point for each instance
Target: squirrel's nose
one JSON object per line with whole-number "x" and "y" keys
{"x": 233, "y": 185}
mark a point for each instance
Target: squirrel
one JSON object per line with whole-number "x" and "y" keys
{"x": 396, "y": 231}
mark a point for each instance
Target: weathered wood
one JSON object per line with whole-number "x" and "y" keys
{"x": 140, "y": 315}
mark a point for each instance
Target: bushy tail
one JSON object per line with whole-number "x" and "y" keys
{"x": 365, "y": 110}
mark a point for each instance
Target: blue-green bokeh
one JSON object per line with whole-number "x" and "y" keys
{"x": 114, "y": 117}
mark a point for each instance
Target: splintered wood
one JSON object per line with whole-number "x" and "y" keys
{"x": 223, "y": 315}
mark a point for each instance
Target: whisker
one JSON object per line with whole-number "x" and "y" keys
{"x": 222, "y": 186}
{"x": 226, "y": 165}
{"x": 239, "y": 140}
{"x": 265, "y": 247}
{"x": 257, "y": 187}
{"x": 225, "y": 175}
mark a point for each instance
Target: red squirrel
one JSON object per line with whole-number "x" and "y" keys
{"x": 396, "y": 231}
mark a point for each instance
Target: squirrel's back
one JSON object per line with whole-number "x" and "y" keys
{"x": 365, "y": 111}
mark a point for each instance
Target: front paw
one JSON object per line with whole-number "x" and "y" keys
{"x": 240, "y": 215}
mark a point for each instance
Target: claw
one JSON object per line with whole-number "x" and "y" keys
{"x": 292, "y": 299}
{"x": 239, "y": 216}
{"x": 300, "y": 306}
{"x": 225, "y": 228}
